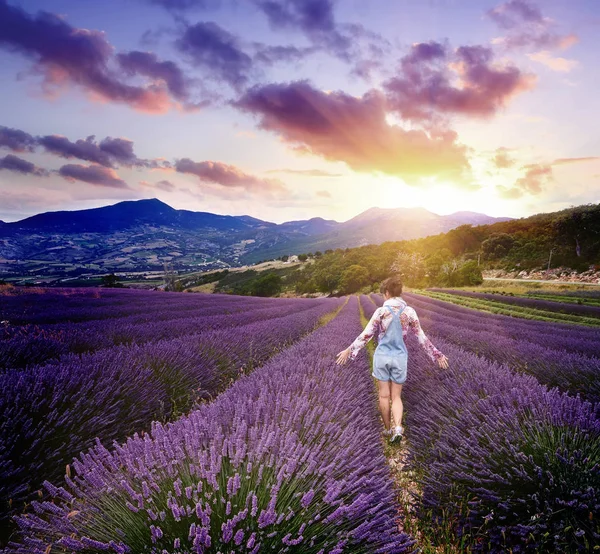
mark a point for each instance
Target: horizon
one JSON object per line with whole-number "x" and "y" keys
{"x": 289, "y": 110}
{"x": 249, "y": 215}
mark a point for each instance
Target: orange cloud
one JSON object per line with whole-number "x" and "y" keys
{"x": 340, "y": 127}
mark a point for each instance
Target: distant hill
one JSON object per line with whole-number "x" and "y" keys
{"x": 374, "y": 226}
{"x": 143, "y": 234}
{"x": 569, "y": 238}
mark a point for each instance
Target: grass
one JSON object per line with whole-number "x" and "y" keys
{"x": 536, "y": 290}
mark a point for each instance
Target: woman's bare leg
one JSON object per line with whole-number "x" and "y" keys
{"x": 397, "y": 407}
{"x": 384, "y": 401}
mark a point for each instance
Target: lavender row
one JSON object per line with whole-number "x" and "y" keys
{"x": 581, "y": 340}
{"x": 53, "y": 412}
{"x": 288, "y": 459}
{"x": 594, "y": 294}
{"x": 367, "y": 305}
{"x": 28, "y": 346}
{"x": 58, "y": 306}
{"x": 569, "y": 371}
{"x": 514, "y": 465}
{"x": 537, "y": 304}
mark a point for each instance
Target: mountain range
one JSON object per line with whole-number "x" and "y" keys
{"x": 141, "y": 235}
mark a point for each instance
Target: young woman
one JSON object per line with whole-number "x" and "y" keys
{"x": 392, "y": 322}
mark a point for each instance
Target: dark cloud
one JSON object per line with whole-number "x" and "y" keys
{"x": 341, "y": 127}
{"x": 527, "y": 27}
{"x": 87, "y": 149}
{"x": 270, "y": 55}
{"x": 16, "y": 140}
{"x": 10, "y": 162}
{"x": 65, "y": 55}
{"x": 148, "y": 65}
{"x": 110, "y": 152}
{"x": 426, "y": 90}
{"x": 184, "y": 5}
{"x": 210, "y": 46}
{"x": 216, "y": 50}
{"x": 309, "y": 15}
{"x": 502, "y": 160}
{"x": 314, "y": 18}
{"x": 227, "y": 176}
{"x": 93, "y": 174}
{"x": 121, "y": 151}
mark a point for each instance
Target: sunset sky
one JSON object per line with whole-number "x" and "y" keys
{"x": 291, "y": 109}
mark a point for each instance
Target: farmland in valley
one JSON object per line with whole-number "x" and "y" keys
{"x": 138, "y": 421}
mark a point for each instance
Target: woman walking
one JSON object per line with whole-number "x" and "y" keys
{"x": 391, "y": 322}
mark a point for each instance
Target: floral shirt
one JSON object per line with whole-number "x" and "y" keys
{"x": 380, "y": 321}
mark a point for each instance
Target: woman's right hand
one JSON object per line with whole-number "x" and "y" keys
{"x": 443, "y": 362}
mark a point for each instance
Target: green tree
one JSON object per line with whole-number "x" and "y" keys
{"x": 111, "y": 281}
{"x": 411, "y": 267}
{"x": 302, "y": 257}
{"x": 497, "y": 246}
{"x": 469, "y": 274}
{"x": 266, "y": 285}
{"x": 353, "y": 278}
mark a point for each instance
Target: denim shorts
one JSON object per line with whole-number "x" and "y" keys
{"x": 389, "y": 368}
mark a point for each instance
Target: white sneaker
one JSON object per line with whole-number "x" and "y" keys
{"x": 397, "y": 433}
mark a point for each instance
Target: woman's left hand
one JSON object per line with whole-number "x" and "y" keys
{"x": 343, "y": 356}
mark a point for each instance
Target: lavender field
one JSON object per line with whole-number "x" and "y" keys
{"x": 173, "y": 423}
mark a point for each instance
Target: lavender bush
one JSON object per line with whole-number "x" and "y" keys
{"x": 54, "y": 411}
{"x": 288, "y": 459}
{"x": 516, "y": 464}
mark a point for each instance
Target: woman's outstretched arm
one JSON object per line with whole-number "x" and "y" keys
{"x": 368, "y": 333}
{"x": 415, "y": 326}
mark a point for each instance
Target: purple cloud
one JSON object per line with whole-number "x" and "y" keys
{"x": 16, "y": 140}
{"x": 270, "y": 55}
{"x": 86, "y": 149}
{"x": 93, "y": 174}
{"x": 213, "y": 48}
{"x": 227, "y": 176}
{"x": 10, "y": 162}
{"x": 148, "y": 65}
{"x": 527, "y": 27}
{"x": 514, "y": 12}
{"x": 184, "y": 5}
{"x": 67, "y": 55}
{"x": 425, "y": 90}
{"x": 309, "y": 15}
{"x": 110, "y": 152}
{"x": 314, "y": 18}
